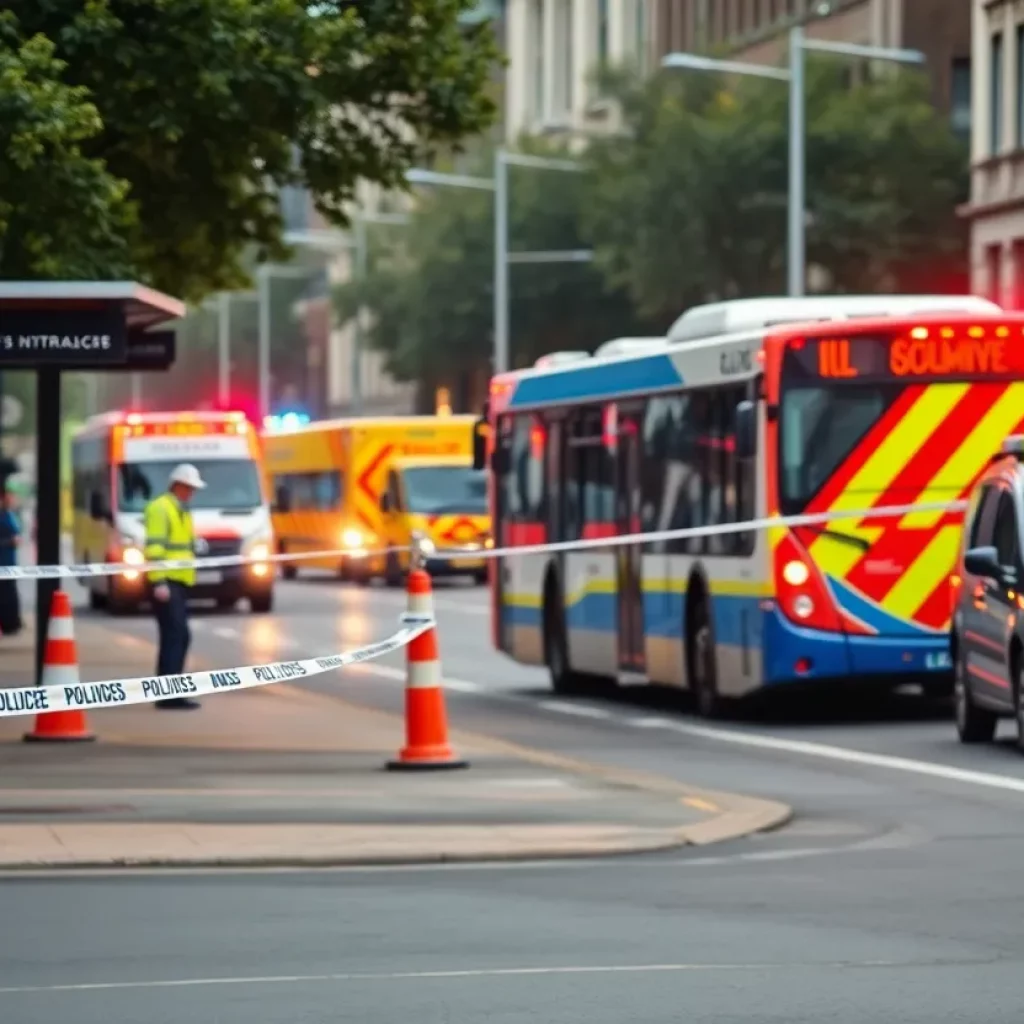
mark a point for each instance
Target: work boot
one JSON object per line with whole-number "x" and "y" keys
{"x": 178, "y": 703}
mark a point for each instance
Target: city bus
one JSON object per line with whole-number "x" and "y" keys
{"x": 361, "y": 488}
{"x": 830, "y": 407}
{"x": 120, "y": 461}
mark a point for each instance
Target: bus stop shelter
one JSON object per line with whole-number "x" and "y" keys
{"x": 49, "y": 327}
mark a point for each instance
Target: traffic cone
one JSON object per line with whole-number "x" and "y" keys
{"x": 60, "y": 668}
{"x": 426, "y": 724}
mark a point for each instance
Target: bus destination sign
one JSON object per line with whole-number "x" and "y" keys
{"x": 899, "y": 357}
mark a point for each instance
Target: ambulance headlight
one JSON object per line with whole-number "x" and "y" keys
{"x": 131, "y": 555}
{"x": 259, "y": 553}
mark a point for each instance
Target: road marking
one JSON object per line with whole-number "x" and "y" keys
{"x": 581, "y": 710}
{"x": 845, "y": 755}
{"x": 495, "y": 972}
{"x": 701, "y": 805}
{"x": 225, "y": 632}
{"x": 398, "y": 674}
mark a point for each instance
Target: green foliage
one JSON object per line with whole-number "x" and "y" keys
{"x": 693, "y": 206}
{"x": 206, "y": 107}
{"x": 430, "y": 286}
{"x": 62, "y": 214}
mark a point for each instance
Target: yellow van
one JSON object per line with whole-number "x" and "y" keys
{"x": 327, "y": 479}
{"x": 442, "y": 503}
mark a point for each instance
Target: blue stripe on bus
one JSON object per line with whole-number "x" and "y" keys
{"x": 597, "y": 380}
{"x": 874, "y": 616}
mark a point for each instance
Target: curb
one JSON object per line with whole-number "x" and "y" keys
{"x": 660, "y": 841}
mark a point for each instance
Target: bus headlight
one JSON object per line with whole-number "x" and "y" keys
{"x": 427, "y": 546}
{"x": 132, "y": 556}
{"x": 803, "y": 606}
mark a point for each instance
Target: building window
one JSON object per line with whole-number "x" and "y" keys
{"x": 960, "y": 97}
{"x": 1019, "y": 87}
{"x": 564, "y": 68}
{"x": 602, "y": 33}
{"x": 995, "y": 129}
{"x": 538, "y": 86}
{"x": 994, "y": 273}
{"x": 1017, "y": 255}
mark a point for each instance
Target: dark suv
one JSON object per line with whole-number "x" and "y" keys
{"x": 987, "y": 635}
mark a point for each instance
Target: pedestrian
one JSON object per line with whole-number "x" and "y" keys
{"x": 10, "y": 541}
{"x": 169, "y": 535}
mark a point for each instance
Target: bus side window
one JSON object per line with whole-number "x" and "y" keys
{"x": 745, "y": 471}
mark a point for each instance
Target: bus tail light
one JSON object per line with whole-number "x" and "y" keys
{"x": 802, "y": 592}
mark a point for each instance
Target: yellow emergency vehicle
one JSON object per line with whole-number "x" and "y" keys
{"x": 442, "y": 503}
{"x": 328, "y": 479}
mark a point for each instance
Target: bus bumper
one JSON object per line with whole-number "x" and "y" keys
{"x": 793, "y": 654}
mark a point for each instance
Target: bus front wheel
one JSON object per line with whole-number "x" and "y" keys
{"x": 701, "y": 660}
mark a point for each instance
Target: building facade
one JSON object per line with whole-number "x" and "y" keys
{"x": 756, "y": 31}
{"x": 996, "y": 207}
{"x": 553, "y": 49}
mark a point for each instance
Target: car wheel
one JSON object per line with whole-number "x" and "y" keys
{"x": 973, "y": 724}
{"x": 262, "y": 603}
{"x": 1018, "y": 697}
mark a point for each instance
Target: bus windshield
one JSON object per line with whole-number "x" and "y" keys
{"x": 231, "y": 484}
{"x": 443, "y": 490}
{"x": 819, "y": 428}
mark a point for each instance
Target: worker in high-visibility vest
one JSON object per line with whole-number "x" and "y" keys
{"x": 169, "y": 535}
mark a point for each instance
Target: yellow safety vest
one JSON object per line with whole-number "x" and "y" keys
{"x": 169, "y": 534}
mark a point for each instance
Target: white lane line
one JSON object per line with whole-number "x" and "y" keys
{"x": 398, "y": 674}
{"x": 580, "y": 711}
{"x": 454, "y": 975}
{"x": 757, "y": 741}
{"x": 932, "y": 769}
{"x": 225, "y": 632}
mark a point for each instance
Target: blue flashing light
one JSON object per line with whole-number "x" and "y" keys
{"x": 283, "y": 422}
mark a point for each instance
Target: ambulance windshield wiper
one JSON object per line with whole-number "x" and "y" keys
{"x": 846, "y": 538}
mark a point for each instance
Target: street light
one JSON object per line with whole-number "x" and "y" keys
{"x": 502, "y": 257}
{"x": 331, "y": 241}
{"x": 798, "y": 45}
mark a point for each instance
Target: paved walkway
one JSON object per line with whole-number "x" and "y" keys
{"x": 286, "y": 775}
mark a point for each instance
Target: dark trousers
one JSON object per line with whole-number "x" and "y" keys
{"x": 10, "y": 607}
{"x": 175, "y": 636}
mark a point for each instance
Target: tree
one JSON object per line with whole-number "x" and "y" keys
{"x": 430, "y": 285}
{"x": 691, "y": 207}
{"x": 203, "y": 109}
{"x": 76, "y": 226}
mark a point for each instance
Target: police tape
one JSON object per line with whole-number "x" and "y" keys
{"x": 115, "y": 693}
{"x": 716, "y": 530}
{"x": 81, "y": 570}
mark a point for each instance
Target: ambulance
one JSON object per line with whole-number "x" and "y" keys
{"x": 121, "y": 461}
{"x": 360, "y": 489}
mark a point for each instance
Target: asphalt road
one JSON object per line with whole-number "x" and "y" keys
{"x": 894, "y": 895}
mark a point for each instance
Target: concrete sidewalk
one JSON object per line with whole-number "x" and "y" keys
{"x": 282, "y": 775}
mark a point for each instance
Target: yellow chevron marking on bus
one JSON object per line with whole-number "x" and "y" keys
{"x": 878, "y": 472}
{"x": 929, "y": 569}
{"x": 971, "y": 455}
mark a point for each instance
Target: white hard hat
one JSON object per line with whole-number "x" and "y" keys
{"x": 188, "y": 475}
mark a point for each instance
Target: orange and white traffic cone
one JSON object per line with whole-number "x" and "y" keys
{"x": 60, "y": 668}
{"x": 426, "y": 724}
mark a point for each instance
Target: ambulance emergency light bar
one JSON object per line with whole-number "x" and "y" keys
{"x": 922, "y": 352}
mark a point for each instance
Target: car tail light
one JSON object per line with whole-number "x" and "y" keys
{"x": 801, "y": 590}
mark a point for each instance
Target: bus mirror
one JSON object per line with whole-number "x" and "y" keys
{"x": 282, "y": 500}
{"x": 98, "y": 507}
{"x": 746, "y": 430}
{"x": 385, "y": 503}
{"x": 501, "y": 461}
{"x": 480, "y": 444}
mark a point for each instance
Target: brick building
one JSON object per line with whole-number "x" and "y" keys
{"x": 996, "y": 208}
{"x": 755, "y": 30}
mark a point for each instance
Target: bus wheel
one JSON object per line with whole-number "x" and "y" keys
{"x": 702, "y": 663}
{"x": 556, "y": 646}
{"x": 289, "y": 570}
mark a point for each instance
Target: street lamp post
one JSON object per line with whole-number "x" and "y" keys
{"x": 503, "y": 259}
{"x": 798, "y": 47}
{"x": 331, "y": 241}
